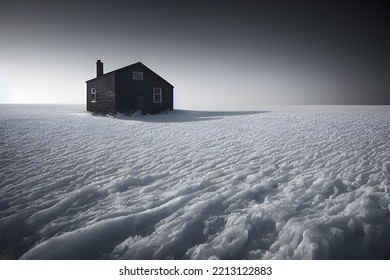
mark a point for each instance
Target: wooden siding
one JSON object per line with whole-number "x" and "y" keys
{"x": 128, "y": 89}
{"x": 105, "y": 94}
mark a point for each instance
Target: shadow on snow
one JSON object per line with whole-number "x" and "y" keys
{"x": 186, "y": 116}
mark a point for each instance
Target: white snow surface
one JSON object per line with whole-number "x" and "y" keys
{"x": 279, "y": 183}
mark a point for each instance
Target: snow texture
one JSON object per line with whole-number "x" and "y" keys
{"x": 281, "y": 183}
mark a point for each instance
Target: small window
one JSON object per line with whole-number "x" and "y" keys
{"x": 157, "y": 95}
{"x": 93, "y": 94}
{"x": 138, "y": 76}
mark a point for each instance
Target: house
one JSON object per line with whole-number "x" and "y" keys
{"x": 127, "y": 90}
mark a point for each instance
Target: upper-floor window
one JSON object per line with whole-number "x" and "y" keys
{"x": 93, "y": 94}
{"x": 157, "y": 95}
{"x": 138, "y": 76}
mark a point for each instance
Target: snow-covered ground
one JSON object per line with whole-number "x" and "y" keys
{"x": 279, "y": 183}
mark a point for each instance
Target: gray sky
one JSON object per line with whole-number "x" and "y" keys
{"x": 215, "y": 53}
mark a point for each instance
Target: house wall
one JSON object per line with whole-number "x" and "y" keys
{"x": 105, "y": 94}
{"x": 127, "y": 90}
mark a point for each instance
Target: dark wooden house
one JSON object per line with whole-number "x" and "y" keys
{"x": 127, "y": 90}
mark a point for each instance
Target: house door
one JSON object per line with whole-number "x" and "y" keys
{"x": 141, "y": 104}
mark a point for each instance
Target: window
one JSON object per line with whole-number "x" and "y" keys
{"x": 138, "y": 76}
{"x": 157, "y": 95}
{"x": 93, "y": 94}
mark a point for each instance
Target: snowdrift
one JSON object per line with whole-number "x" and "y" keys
{"x": 281, "y": 183}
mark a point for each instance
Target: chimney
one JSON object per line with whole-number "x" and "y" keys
{"x": 99, "y": 68}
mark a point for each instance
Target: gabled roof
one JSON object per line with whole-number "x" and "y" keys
{"x": 139, "y": 63}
